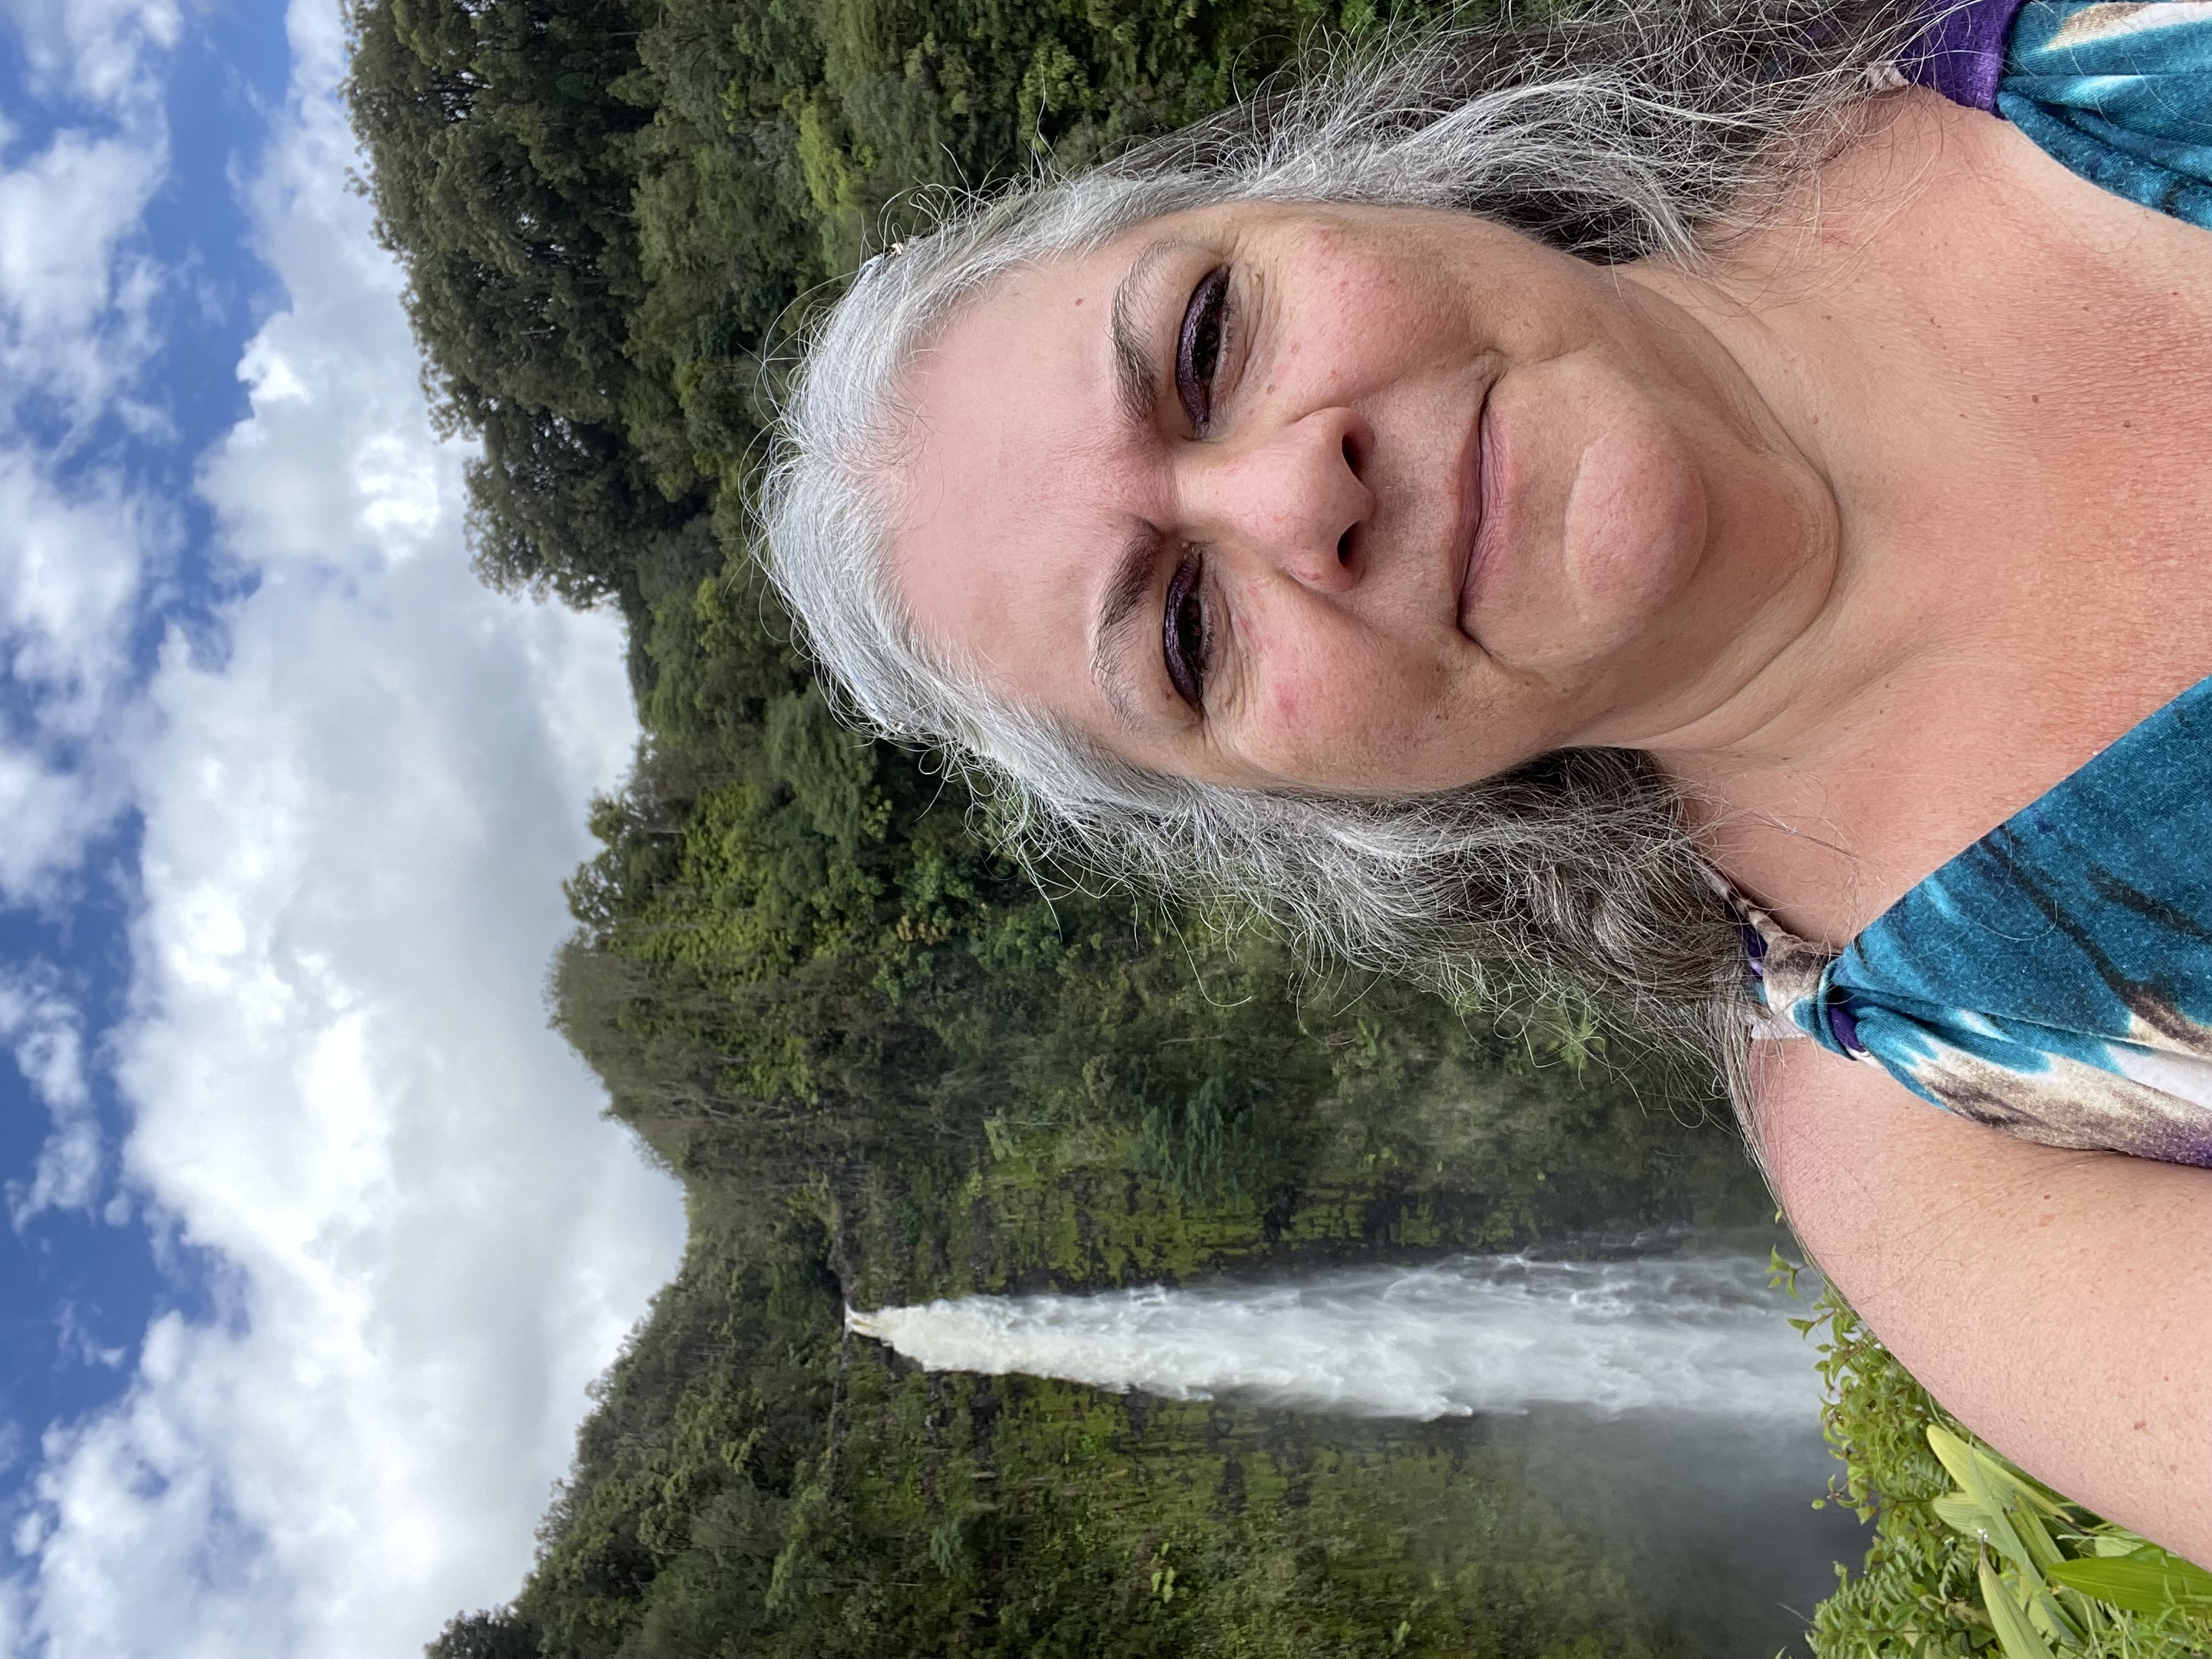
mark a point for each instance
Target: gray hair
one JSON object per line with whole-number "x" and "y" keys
{"x": 1640, "y": 127}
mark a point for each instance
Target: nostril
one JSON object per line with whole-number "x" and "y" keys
{"x": 1350, "y": 455}
{"x": 1344, "y": 548}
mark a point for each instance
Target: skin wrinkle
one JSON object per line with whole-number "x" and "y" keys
{"x": 1538, "y": 677}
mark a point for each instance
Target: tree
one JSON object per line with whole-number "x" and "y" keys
{"x": 500, "y": 175}
{"x": 500, "y": 1633}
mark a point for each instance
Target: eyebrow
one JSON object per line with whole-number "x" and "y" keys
{"x": 1133, "y": 362}
{"x": 1126, "y": 590}
{"x": 1138, "y": 396}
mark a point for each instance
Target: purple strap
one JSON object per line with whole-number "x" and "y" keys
{"x": 1961, "y": 53}
{"x": 1843, "y": 1026}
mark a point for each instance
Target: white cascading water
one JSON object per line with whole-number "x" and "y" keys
{"x": 1475, "y": 1334}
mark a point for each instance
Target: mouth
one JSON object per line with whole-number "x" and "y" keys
{"x": 1474, "y": 535}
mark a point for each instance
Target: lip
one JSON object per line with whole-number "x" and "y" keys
{"x": 1475, "y": 537}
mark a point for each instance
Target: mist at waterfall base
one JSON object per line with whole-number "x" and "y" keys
{"x": 1663, "y": 1403}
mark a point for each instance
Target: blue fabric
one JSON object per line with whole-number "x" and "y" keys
{"x": 2057, "y": 975}
{"x": 2055, "y": 979}
{"x": 2122, "y": 94}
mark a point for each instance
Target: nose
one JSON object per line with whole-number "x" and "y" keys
{"x": 1291, "y": 497}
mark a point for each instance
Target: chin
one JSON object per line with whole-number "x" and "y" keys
{"x": 1635, "y": 531}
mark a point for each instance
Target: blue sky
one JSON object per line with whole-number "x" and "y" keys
{"x": 75, "y": 1289}
{"x": 314, "y": 1234}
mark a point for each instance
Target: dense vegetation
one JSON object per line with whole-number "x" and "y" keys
{"x": 886, "y": 1066}
{"x": 1970, "y": 1556}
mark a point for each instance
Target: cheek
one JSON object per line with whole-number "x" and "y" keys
{"x": 1290, "y": 661}
{"x": 1371, "y": 318}
{"x": 1339, "y": 707}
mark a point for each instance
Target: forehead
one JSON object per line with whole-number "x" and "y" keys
{"x": 1017, "y": 368}
{"x": 1023, "y": 475}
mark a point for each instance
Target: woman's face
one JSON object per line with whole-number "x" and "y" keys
{"x": 1367, "y": 499}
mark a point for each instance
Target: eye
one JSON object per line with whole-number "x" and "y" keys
{"x": 1186, "y": 637}
{"x": 1197, "y": 345}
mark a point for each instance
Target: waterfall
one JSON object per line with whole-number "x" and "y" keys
{"x": 1497, "y": 1333}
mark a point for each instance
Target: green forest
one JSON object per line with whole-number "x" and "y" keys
{"x": 887, "y": 1064}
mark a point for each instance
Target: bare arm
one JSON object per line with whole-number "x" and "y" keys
{"x": 2060, "y": 1303}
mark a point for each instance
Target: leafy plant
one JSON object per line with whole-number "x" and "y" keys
{"x": 1970, "y": 1555}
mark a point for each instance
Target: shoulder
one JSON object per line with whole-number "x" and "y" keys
{"x": 1859, "y": 1163}
{"x": 2055, "y": 1301}
{"x": 1876, "y": 1181}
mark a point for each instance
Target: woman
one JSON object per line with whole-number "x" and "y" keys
{"x": 1630, "y": 505}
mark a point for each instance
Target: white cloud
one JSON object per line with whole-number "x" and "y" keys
{"x": 356, "y": 819}
{"x": 73, "y": 565}
{"x": 51, "y": 813}
{"x": 75, "y": 296}
{"x": 79, "y": 1341}
{"x": 93, "y": 50}
{"x": 48, "y": 1034}
{"x": 71, "y": 568}
{"x": 75, "y": 309}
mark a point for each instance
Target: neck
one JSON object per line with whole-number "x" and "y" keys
{"x": 1851, "y": 332}
{"x": 1895, "y": 319}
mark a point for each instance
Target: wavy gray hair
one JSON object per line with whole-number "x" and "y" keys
{"x": 1634, "y": 128}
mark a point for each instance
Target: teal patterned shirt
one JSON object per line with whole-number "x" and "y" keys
{"x": 2055, "y": 979}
